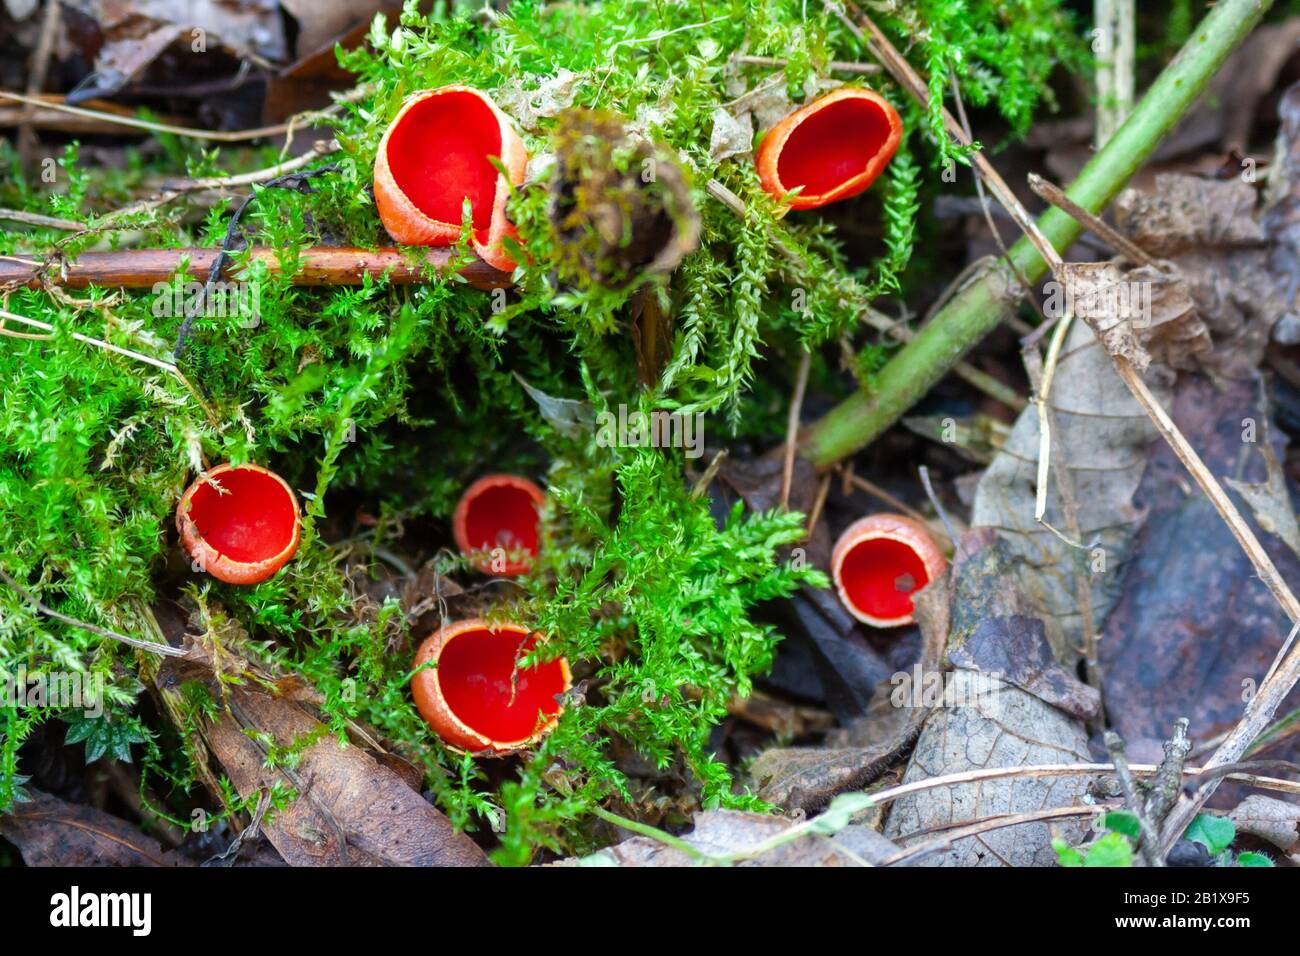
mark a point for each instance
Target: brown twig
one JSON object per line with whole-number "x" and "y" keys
{"x": 823, "y": 487}
{"x": 792, "y": 428}
{"x": 40, "y": 64}
{"x": 1122, "y": 244}
{"x": 318, "y": 266}
{"x": 43, "y": 222}
{"x": 1246, "y": 766}
{"x": 46, "y": 116}
{"x": 880, "y": 494}
{"x": 215, "y": 136}
{"x": 1148, "y": 829}
{"x": 1062, "y": 770}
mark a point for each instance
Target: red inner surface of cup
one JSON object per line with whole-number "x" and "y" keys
{"x": 439, "y": 155}
{"x": 502, "y": 516}
{"x": 880, "y": 575}
{"x": 833, "y": 145}
{"x": 479, "y": 682}
{"x": 250, "y": 518}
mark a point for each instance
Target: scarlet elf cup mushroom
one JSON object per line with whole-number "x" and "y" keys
{"x": 436, "y": 154}
{"x": 470, "y": 689}
{"x": 879, "y": 563}
{"x": 239, "y": 523}
{"x": 834, "y": 148}
{"x": 497, "y": 523}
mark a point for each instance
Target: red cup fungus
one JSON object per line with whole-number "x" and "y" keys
{"x": 879, "y": 562}
{"x": 496, "y": 522}
{"x": 239, "y": 523}
{"x": 834, "y": 148}
{"x": 436, "y": 154}
{"x": 476, "y": 697}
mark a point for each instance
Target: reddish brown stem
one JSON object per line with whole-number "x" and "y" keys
{"x": 320, "y": 265}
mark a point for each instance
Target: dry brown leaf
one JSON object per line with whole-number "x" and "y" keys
{"x": 1270, "y": 819}
{"x": 529, "y": 99}
{"x": 1208, "y": 230}
{"x": 321, "y": 21}
{"x": 1102, "y": 435}
{"x": 1186, "y": 213}
{"x": 1143, "y": 313}
{"x": 986, "y": 721}
{"x": 807, "y": 778}
{"x": 143, "y": 39}
{"x": 350, "y": 809}
{"x": 731, "y": 135}
{"x": 53, "y": 832}
{"x": 721, "y": 832}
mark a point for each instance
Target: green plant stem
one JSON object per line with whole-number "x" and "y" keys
{"x": 654, "y": 833}
{"x": 978, "y": 308}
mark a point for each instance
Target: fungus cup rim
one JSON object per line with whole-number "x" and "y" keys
{"x": 891, "y": 527}
{"x": 431, "y": 702}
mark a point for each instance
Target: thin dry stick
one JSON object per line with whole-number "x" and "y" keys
{"x": 6, "y": 316}
{"x": 924, "y": 472}
{"x": 1050, "y": 192}
{"x": 165, "y": 649}
{"x": 1046, "y": 420}
{"x": 44, "y": 222}
{"x": 965, "y": 777}
{"x": 873, "y": 489}
{"x": 216, "y": 136}
{"x": 996, "y": 822}
{"x": 914, "y": 84}
{"x": 40, "y": 66}
{"x": 1282, "y": 729}
{"x": 882, "y": 797}
{"x": 1286, "y": 668}
{"x": 1069, "y": 504}
{"x": 175, "y": 191}
{"x": 818, "y": 504}
{"x": 792, "y": 428}
{"x": 1284, "y": 650}
{"x": 981, "y": 380}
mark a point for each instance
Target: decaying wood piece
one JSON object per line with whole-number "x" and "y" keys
{"x": 319, "y": 266}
